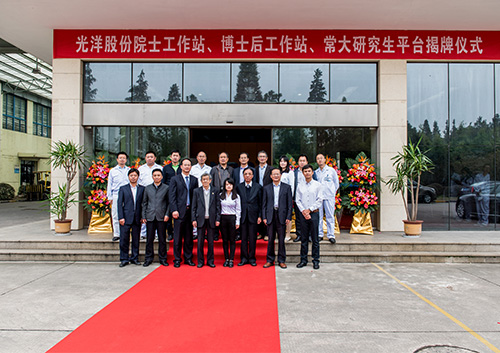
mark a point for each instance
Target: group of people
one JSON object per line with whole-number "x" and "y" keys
{"x": 199, "y": 202}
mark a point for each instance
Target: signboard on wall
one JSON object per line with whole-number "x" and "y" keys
{"x": 277, "y": 44}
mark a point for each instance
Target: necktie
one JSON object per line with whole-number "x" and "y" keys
{"x": 187, "y": 185}
{"x": 248, "y": 188}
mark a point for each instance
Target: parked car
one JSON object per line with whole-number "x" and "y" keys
{"x": 466, "y": 206}
{"x": 426, "y": 194}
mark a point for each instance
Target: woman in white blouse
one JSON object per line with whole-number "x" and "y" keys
{"x": 287, "y": 177}
{"x": 230, "y": 220}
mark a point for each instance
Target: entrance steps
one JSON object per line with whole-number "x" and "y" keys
{"x": 432, "y": 247}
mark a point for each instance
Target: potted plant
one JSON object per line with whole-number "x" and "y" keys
{"x": 70, "y": 157}
{"x": 409, "y": 166}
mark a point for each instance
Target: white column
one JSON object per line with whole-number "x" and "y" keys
{"x": 391, "y": 136}
{"x": 67, "y": 123}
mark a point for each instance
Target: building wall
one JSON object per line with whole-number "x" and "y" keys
{"x": 69, "y": 121}
{"x": 15, "y": 143}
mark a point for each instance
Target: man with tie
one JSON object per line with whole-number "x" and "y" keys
{"x": 251, "y": 208}
{"x": 155, "y": 214}
{"x": 181, "y": 194}
{"x": 309, "y": 198}
{"x": 205, "y": 214}
{"x": 263, "y": 177}
{"x": 276, "y": 213}
{"x": 238, "y": 172}
{"x": 129, "y": 209}
{"x": 169, "y": 171}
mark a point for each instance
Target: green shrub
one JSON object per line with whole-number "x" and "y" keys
{"x": 7, "y": 192}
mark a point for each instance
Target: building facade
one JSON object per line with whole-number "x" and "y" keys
{"x": 25, "y": 137}
{"x": 335, "y": 92}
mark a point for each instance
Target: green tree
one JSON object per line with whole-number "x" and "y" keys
{"x": 272, "y": 96}
{"x": 89, "y": 93}
{"x": 247, "y": 87}
{"x": 139, "y": 91}
{"x": 173, "y": 94}
{"x": 318, "y": 91}
{"x": 191, "y": 98}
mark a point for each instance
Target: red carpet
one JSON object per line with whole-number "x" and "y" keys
{"x": 188, "y": 309}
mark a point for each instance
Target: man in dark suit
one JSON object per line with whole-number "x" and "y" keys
{"x": 155, "y": 214}
{"x": 238, "y": 172}
{"x": 251, "y": 208}
{"x": 276, "y": 213}
{"x": 263, "y": 177}
{"x": 169, "y": 171}
{"x": 221, "y": 172}
{"x": 181, "y": 196}
{"x": 205, "y": 214}
{"x": 129, "y": 207}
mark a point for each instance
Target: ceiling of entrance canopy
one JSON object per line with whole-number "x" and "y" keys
{"x": 28, "y": 24}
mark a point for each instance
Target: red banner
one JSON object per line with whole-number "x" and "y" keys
{"x": 277, "y": 44}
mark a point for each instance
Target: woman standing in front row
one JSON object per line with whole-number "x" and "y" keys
{"x": 230, "y": 220}
{"x": 287, "y": 177}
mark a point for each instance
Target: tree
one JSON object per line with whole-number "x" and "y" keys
{"x": 89, "y": 93}
{"x": 174, "y": 95}
{"x": 318, "y": 91}
{"x": 139, "y": 90}
{"x": 272, "y": 96}
{"x": 191, "y": 98}
{"x": 247, "y": 87}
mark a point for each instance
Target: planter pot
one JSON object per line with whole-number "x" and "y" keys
{"x": 100, "y": 224}
{"x": 413, "y": 228}
{"x": 63, "y": 227}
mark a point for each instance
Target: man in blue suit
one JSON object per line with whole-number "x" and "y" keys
{"x": 276, "y": 214}
{"x": 181, "y": 196}
{"x": 129, "y": 209}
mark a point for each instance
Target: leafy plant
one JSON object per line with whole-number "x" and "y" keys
{"x": 409, "y": 165}
{"x": 70, "y": 157}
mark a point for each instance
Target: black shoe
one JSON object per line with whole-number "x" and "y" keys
{"x": 170, "y": 237}
{"x": 164, "y": 263}
{"x": 189, "y": 262}
{"x": 316, "y": 266}
{"x": 310, "y": 240}
{"x": 143, "y": 237}
{"x": 115, "y": 239}
{"x": 242, "y": 263}
{"x": 195, "y": 237}
{"x": 123, "y": 263}
{"x": 332, "y": 240}
{"x": 231, "y": 263}
{"x": 200, "y": 265}
{"x": 216, "y": 238}
{"x": 238, "y": 238}
{"x": 296, "y": 240}
{"x": 253, "y": 263}
{"x": 147, "y": 263}
{"x": 177, "y": 264}
{"x": 301, "y": 264}
{"x": 211, "y": 265}
{"x": 226, "y": 263}
{"x": 135, "y": 262}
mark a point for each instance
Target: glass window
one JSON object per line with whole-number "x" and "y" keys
{"x": 14, "y": 113}
{"x": 41, "y": 120}
{"x": 354, "y": 83}
{"x": 136, "y": 141}
{"x": 107, "y": 82}
{"x": 252, "y": 82}
{"x": 157, "y": 82}
{"x": 304, "y": 83}
{"x": 207, "y": 82}
{"x": 471, "y": 93}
